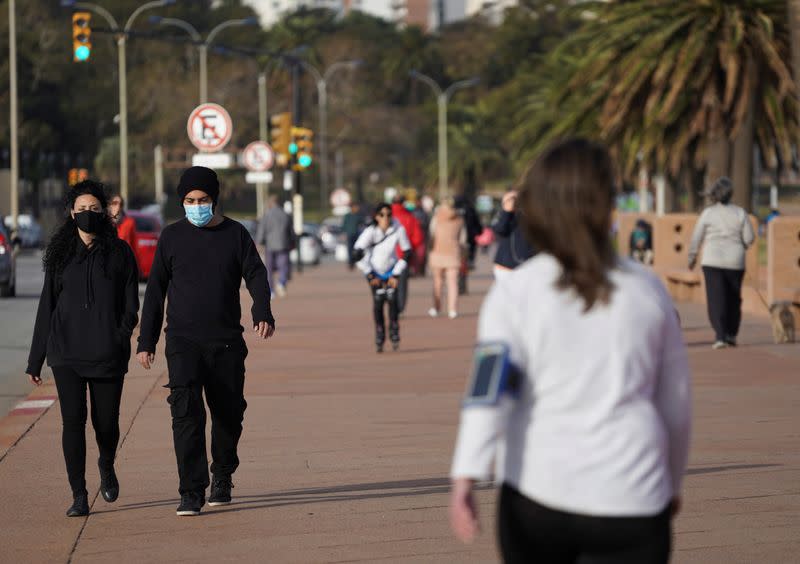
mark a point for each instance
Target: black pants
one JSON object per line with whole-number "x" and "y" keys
{"x": 380, "y": 296}
{"x": 530, "y": 532}
{"x": 218, "y": 370}
{"x": 724, "y": 299}
{"x": 105, "y": 395}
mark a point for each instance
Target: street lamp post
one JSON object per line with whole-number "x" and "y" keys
{"x": 12, "y": 69}
{"x": 322, "y": 94}
{"x": 202, "y": 46}
{"x": 122, "y": 35}
{"x": 442, "y": 98}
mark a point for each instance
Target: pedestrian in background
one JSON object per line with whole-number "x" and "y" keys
{"x": 87, "y": 312}
{"x": 352, "y": 226}
{"x": 725, "y": 232}
{"x": 448, "y": 249}
{"x": 199, "y": 265}
{"x": 591, "y": 432}
{"x": 473, "y": 225}
{"x": 417, "y": 240}
{"x": 126, "y": 225}
{"x": 276, "y": 234}
{"x": 513, "y": 248}
{"x": 382, "y": 266}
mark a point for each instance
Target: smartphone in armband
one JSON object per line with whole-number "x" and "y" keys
{"x": 493, "y": 375}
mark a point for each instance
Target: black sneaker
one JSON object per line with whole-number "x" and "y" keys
{"x": 80, "y": 506}
{"x": 220, "y": 492}
{"x": 191, "y": 504}
{"x": 109, "y": 485}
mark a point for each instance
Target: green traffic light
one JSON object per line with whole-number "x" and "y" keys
{"x": 292, "y": 148}
{"x": 304, "y": 160}
{"x": 82, "y": 53}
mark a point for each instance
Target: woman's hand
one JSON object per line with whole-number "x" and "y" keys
{"x": 509, "y": 201}
{"x": 375, "y": 282}
{"x": 463, "y": 514}
{"x": 392, "y": 282}
{"x": 146, "y": 359}
{"x": 35, "y": 380}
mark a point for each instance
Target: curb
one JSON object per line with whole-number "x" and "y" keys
{"x": 16, "y": 424}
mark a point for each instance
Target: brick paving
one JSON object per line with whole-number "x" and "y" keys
{"x": 345, "y": 453}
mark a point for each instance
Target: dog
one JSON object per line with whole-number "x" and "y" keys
{"x": 782, "y": 318}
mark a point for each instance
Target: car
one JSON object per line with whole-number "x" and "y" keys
{"x": 148, "y": 230}
{"x": 29, "y": 231}
{"x": 8, "y": 265}
{"x": 330, "y": 234}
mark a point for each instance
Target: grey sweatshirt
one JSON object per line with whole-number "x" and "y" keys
{"x": 726, "y": 233}
{"x": 275, "y": 230}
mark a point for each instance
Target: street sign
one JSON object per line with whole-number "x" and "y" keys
{"x": 340, "y": 198}
{"x": 213, "y": 160}
{"x": 257, "y": 177}
{"x": 258, "y": 156}
{"x": 209, "y": 127}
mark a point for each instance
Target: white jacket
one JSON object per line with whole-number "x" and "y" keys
{"x": 601, "y": 425}
{"x": 380, "y": 255}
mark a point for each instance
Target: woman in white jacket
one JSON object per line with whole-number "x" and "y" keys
{"x": 591, "y": 446}
{"x": 377, "y": 246}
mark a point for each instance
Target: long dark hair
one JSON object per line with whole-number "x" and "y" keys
{"x": 566, "y": 200}
{"x": 62, "y": 245}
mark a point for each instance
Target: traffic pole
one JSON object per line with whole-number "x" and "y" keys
{"x": 297, "y": 200}
{"x": 13, "y": 123}
{"x": 123, "y": 119}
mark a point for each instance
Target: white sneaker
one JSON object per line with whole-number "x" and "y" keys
{"x": 719, "y": 345}
{"x": 281, "y": 289}
{"x": 452, "y": 314}
{"x": 433, "y": 312}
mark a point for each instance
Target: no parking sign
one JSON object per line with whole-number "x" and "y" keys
{"x": 209, "y": 127}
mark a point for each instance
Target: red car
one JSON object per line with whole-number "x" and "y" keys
{"x": 148, "y": 229}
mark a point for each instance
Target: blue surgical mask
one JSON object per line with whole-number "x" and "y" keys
{"x": 199, "y": 215}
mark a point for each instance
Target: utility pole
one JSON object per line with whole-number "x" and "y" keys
{"x": 297, "y": 200}
{"x": 262, "y": 136}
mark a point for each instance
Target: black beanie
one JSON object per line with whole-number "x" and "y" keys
{"x": 199, "y": 178}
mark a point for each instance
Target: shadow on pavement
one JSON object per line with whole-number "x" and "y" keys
{"x": 351, "y": 492}
{"x": 717, "y": 469}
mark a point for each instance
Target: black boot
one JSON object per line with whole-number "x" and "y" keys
{"x": 109, "y": 485}
{"x": 394, "y": 335}
{"x": 380, "y": 338}
{"x": 80, "y": 505}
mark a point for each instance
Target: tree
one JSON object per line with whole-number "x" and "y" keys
{"x": 678, "y": 84}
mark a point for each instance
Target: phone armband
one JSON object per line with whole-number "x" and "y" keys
{"x": 492, "y": 375}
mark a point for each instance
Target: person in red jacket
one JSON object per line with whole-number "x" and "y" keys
{"x": 126, "y": 226}
{"x": 417, "y": 239}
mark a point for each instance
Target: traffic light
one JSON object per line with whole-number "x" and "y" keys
{"x": 300, "y": 147}
{"x": 281, "y": 136}
{"x": 81, "y": 36}
{"x": 76, "y": 175}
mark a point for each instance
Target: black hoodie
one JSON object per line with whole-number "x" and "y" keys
{"x": 87, "y": 313}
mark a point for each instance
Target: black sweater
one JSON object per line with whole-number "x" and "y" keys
{"x": 199, "y": 270}
{"x": 87, "y": 313}
{"x": 512, "y": 247}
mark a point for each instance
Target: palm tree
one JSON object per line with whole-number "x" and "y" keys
{"x": 675, "y": 84}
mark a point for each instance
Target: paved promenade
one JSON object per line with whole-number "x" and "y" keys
{"x": 345, "y": 454}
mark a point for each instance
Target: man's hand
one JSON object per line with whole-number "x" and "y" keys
{"x": 35, "y": 380}
{"x": 463, "y": 515}
{"x": 146, "y": 359}
{"x": 392, "y": 282}
{"x": 264, "y": 330}
{"x": 509, "y": 201}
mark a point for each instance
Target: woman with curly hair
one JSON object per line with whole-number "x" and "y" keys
{"x": 87, "y": 313}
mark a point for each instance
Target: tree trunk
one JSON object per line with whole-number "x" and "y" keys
{"x": 719, "y": 158}
{"x": 742, "y": 165}
{"x": 794, "y": 33}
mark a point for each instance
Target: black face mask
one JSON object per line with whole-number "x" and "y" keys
{"x": 89, "y": 221}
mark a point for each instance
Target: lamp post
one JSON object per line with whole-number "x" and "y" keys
{"x": 122, "y": 34}
{"x": 322, "y": 93}
{"x": 12, "y": 69}
{"x": 202, "y": 46}
{"x": 442, "y": 98}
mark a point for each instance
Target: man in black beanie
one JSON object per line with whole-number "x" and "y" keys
{"x": 199, "y": 265}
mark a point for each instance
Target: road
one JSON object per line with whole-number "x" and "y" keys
{"x": 17, "y": 317}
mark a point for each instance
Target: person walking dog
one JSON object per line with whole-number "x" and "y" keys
{"x": 199, "y": 264}
{"x": 87, "y": 312}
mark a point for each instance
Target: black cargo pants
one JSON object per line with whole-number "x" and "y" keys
{"x": 218, "y": 370}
